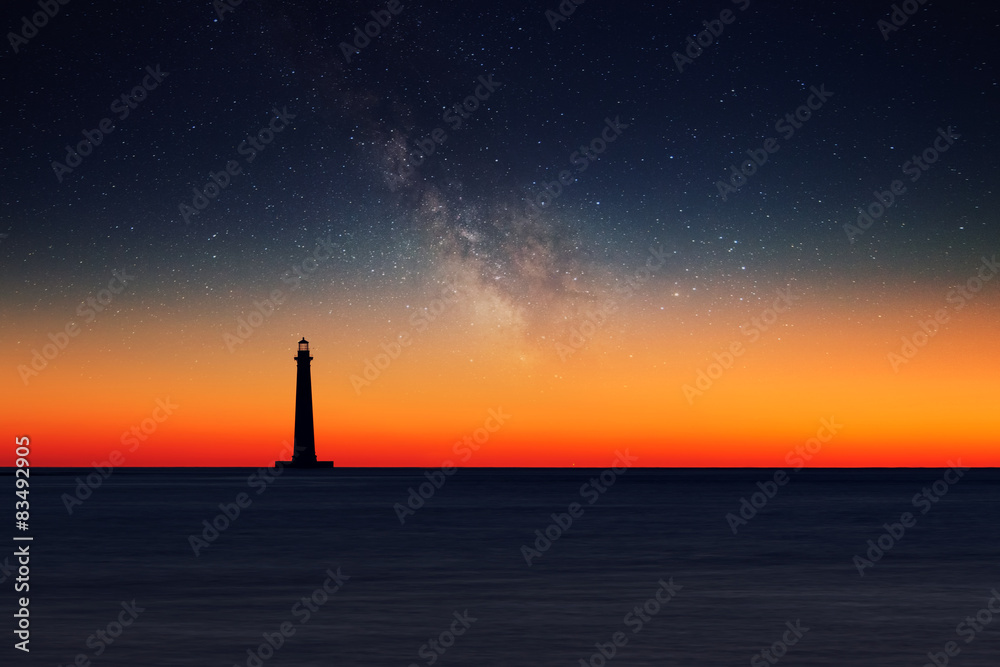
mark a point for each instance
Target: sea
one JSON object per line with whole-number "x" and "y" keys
{"x": 514, "y": 567}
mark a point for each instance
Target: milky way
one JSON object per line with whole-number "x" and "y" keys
{"x": 613, "y": 190}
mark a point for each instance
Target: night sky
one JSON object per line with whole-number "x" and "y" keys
{"x": 266, "y": 174}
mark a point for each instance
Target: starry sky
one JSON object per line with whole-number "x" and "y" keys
{"x": 623, "y": 225}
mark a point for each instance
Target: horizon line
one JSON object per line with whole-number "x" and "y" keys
{"x": 571, "y": 467}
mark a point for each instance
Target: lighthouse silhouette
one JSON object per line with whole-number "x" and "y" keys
{"x": 304, "y": 452}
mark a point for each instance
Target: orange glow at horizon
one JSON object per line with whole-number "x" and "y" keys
{"x": 623, "y": 389}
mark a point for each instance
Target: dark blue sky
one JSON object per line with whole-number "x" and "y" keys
{"x": 330, "y": 170}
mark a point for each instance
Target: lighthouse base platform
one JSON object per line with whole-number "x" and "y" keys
{"x": 303, "y": 464}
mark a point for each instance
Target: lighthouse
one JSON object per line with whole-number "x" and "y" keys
{"x": 304, "y": 452}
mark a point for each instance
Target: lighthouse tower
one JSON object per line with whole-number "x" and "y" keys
{"x": 304, "y": 453}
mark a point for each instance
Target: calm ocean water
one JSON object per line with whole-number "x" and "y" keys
{"x": 455, "y": 573}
